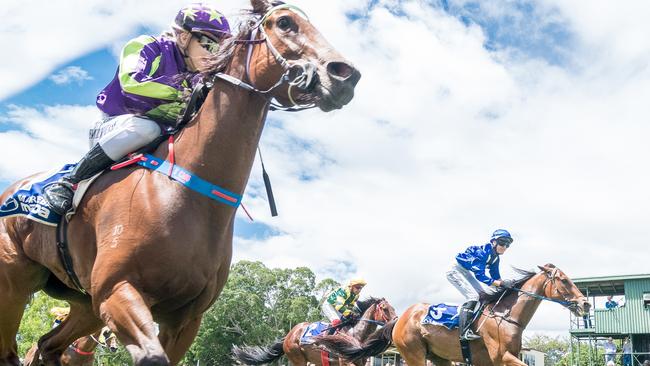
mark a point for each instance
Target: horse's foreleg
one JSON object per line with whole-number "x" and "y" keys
{"x": 20, "y": 277}
{"x": 511, "y": 360}
{"x": 10, "y": 315}
{"x": 125, "y": 312}
{"x": 80, "y": 322}
{"x": 177, "y": 340}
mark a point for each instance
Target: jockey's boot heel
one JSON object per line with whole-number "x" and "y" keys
{"x": 60, "y": 193}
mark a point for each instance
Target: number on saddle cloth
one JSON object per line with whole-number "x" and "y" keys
{"x": 313, "y": 330}
{"x": 443, "y": 314}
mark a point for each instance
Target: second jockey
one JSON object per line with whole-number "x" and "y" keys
{"x": 150, "y": 87}
{"x": 340, "y": 303}
{"x": 474, "y": 271}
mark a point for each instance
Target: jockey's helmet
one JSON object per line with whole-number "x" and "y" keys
{"x": 503, "y": 235}
{"x": 357, "y": 282}
{"x": 204, "y": 19}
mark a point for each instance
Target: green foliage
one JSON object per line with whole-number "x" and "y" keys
{"x": 36, "y": 321}
{"x": 554, "y": 348}
{"x": 584, "y": 355}
{"x": 258, "y": 305}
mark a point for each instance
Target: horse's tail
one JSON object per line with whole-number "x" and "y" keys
{"x": 258, "y": 355}
{"x": 377, "y": 343}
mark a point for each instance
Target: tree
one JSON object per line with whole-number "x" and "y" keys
{"x": 36, "y": 321}
{"x": 258, "y": 305}
{"x": 554, "y": 348}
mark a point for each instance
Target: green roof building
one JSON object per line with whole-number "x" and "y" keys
{"x": 629, "y": 318}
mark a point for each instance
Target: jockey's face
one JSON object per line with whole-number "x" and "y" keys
{"x": 195, "y": 47}
{"x": 356, "y": 289}
{"x": 500, "y": 247}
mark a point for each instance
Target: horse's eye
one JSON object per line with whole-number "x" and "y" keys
{"x": 284, "y": 23}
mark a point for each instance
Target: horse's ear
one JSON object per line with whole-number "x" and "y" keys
{"x": 261, "y": 6}
{"x": 547, "y": 267}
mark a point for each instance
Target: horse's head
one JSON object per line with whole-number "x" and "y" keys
{"x": 292, "y": 51}
{"x": 378, "y": 310}
{"x": 385, "y": 312}
{"x": 561, "y": 288}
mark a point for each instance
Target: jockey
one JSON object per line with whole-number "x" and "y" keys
{"x": 150, "y": 87}
{"x": 340, "y": 303}
{"x": 475, "y": 271}
{"x": 60, "y": 314}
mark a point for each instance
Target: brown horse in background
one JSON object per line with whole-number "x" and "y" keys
{"x": 82, "y": 351}
{"x": 374, "y": 312}
{"x": 144, "y": 247}
{"x": 501, "y": 325}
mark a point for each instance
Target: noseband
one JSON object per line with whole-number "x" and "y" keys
{"x": 301, "y": 75}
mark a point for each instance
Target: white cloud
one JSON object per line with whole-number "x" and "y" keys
{"x": 46, "y": 137}
{"x": 444, "y": 142}
{"x": 71, "y": 74}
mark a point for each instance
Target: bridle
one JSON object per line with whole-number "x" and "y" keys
{"x": 78, "y": 351}
{"x": 380, "y": 317}
{"x": 550, "y": 278}
{"x": 568, "y": 302}
{"x": 296, "y": 74}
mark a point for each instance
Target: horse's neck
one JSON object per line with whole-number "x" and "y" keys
{"x": 220, "y": 144}
{"x": 363, "y": 328}
{"x": 525, "y": 306}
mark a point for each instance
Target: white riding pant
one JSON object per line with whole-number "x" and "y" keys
{"x": 328, "y": 311}
{"x": 465, "y": 282}
{"x": 120, "y": 135}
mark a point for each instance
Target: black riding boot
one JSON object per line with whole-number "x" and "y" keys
{"x": 59, "y": 194}
{"x": 466, "y": 315}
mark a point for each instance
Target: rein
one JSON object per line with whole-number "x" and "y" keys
{"x": 304, "y": 72}
{"x": 506, "y": 316}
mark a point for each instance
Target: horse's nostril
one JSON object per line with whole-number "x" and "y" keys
{"x": 340, "y": 69}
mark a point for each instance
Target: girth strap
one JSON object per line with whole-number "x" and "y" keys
{"x": 64, "y": 253}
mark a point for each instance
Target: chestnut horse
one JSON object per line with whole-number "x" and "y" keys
{"x": 374, "y": 312}
{"x": 144, "y": 247}
{"x": 82, "y": 351}
{"x": 501, "y": 325}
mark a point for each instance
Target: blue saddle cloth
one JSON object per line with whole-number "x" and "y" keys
{"x": 442, "y": 314}
{"x": 313, "y": 330}
{"x": 28, "y": 200}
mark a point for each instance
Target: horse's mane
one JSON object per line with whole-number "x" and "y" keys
{"x": 367, "y": 303}
{"x": 492, "y": 297}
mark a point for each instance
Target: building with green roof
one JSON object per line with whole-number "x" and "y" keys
{"x": 629, "y": 318}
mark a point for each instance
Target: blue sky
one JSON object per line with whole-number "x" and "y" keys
{"x": 527, "y": 115}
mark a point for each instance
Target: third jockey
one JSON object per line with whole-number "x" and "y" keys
{"x": 150, "y": 87}
{"x": 340, "y": 303}
{"x": 474, "y": 271}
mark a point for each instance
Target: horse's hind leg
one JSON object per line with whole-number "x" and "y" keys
{"x": 125, "y": 312}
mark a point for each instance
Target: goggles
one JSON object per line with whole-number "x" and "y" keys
{"x": 504, "y": 242}
{"x": 207, "y": 43}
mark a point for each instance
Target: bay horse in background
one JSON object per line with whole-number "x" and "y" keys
{"x": 374, "y": 312}
{"x": 501, "y": 324}
{"x": 82, "y": 351}
{"x": 144, "y": 247}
